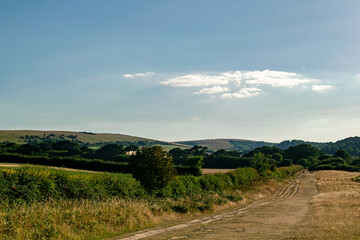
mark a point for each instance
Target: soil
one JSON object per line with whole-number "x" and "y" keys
{"x": 275, "y": 217}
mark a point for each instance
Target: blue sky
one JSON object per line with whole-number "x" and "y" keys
{"x": 180, "y": 70}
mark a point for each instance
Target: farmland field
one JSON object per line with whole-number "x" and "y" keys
{"x": 335, "y": 210}
{"x": 322, "y": 205}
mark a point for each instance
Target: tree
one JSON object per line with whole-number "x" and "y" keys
{"x": 153, "y": 167}
{"x": 277, "y": 157}
{"x": 132, "y": 148}
{"x": 109, "y": 151}
{"x": 343, "y": 154}
{"x": 195, "y": 163}
{"x": 301, "y": 151}
{"x": 261, "y": 163}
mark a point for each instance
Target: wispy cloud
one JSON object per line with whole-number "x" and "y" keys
{"x": 212, "y": 90}
{"x": 196, "y": 80}
{"x": 243, "y": 93}
{"x": 320, "y": 88}
{"x": 147, "y": 74}
{"x": 243, "y": 84}
{"x": 275, "y": 78}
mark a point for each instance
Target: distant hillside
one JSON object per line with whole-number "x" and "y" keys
{"x": 86, "y": 138}
{"x": 229, "y": 144}
{"x": 351, "y": 144}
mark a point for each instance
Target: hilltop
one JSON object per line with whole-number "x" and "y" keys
{"x": 84, "y": 138}
{"x": 228, "y": 144}
{"x": 351, "y": 144}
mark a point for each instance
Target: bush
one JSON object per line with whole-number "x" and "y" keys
{"x": 70, "y": 162}
{"x": 32, "y": 184}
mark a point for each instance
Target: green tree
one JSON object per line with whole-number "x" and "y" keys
{"x": 343, "y": 154}
{"x": 153, "y": 167}
{"x": 261, "y": 163}
{"x": 195, "y": 163}
{"x": 110, "y": 151}
{"x": 277, "y": 157}
{"x": 301, "y": 151}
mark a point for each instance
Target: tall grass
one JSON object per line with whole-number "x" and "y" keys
{"x": 53, "y": 204}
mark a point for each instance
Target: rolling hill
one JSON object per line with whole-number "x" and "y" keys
{"x": 351, "y": 144}
{"x": 86, "y": 138}
{"x": 229, "y": 144}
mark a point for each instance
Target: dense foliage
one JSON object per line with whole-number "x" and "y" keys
{"x": 115, "y": 157}
{"x": 153, "y": 167}
{"x": 39, "y": 184}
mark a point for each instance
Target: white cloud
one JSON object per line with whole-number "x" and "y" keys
{"x": 196, "y": 80}
{"x": 147, "y": 74}
{"x": 358, "y": 76}
{"x": 128, "y": 76}
{"x": 212, "y": 90}
{"x": 275, "y": 78}
{"x": 243, "y": 93}
{"x": 243, "y": 83}
{"x": 320, "y": 88}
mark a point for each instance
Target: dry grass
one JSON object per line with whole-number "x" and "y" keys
{"x": 12, "y": 165}
{"x": 92, "y": 219}
{"x": 335, "y": 210}
{"x": 85, "y": 219}
{"x": 211, "y": 170}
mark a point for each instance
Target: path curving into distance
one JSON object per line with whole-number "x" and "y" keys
{"x": 274, "y": 217}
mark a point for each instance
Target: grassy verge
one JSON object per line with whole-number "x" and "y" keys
{"x": 52, "y": 204}
{"x": 335, "y": 210}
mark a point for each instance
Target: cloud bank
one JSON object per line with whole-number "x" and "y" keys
{"x": 243, "y": 84}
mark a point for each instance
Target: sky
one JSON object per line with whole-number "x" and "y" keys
{"x": 182, "y": 70}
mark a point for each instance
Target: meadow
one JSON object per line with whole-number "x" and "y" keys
{"x": 45, "y": 203}
{"x": 335, "y": 210}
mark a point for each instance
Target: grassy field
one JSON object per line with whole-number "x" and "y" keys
{"x": 91, "y": 138}
{"x": 335, "y": 210}
{"x": 20, "y": 165}
{"x": 214, "y": 170}
{"x": 45, "y": 203}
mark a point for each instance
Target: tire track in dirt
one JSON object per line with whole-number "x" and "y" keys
{"x": 284, "y": 193}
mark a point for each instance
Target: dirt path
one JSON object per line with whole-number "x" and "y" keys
{"x": 271, "y": 218}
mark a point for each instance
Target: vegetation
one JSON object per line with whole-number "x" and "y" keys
{"x": 334, "y": 212}
{"x": 153, "y": 167}
{"x": 350, "y": 145}
{"x": 115, "y": 157}
{"x": 53, "y": 204}
{"x": 83, "y": 138}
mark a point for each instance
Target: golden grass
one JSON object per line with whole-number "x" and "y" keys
{"x": 84, "y": 219}
{"x": 335, "y": 210}
{"x": 12, "y": 165}
{"x": 214, "y": 170}
{"x": 93, "y": 219}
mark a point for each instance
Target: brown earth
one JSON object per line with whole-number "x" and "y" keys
{"x": 275, "y": 217}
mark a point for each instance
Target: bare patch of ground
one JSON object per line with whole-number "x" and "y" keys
{"x": 274, "y": 217}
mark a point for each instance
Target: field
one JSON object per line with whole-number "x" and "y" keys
{"x": 17, "y": 136}
{"x": 46, "y": 203}
{"x": 335, "y": 210}
{"x": 214, "y": 170}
